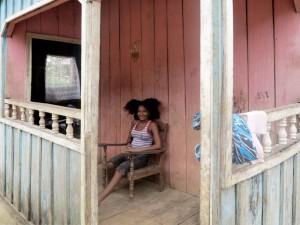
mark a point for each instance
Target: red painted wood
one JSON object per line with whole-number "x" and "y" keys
{"x": 240, "y": 65}
{"x": 125, "y": 60}
{"x": 136, "y": 36}
{"x": 191, "y": 18}
{"x": 161, "y": 69}
{"x": 49, "y": 22}
{"x": 114, "y": 45}
{"x": 287, "y": 53}
{"x": 147, "y": 14}
{"x": 34, "y": 24}
{"x": 104, "y": 107}
{"x": 77, "y": 19}
{"x": 66, "y": 20}
{"x": 176, "y": 95}
{"x": 16, "y": 55}
{"x": 260, "y": 55}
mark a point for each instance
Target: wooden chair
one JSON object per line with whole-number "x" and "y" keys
{"x": 154, "y": 167}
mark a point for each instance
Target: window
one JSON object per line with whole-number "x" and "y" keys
{"x": 61, "y": 79}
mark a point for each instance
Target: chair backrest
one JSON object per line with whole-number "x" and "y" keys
{"x": 163, "y": 131}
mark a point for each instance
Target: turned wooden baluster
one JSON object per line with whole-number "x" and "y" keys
{"x": 6, "y": 110}
{"x": 70, "y": 130}
{"x": 30, "y": 118}
{"x": 23, "y": 117}
{"x": 42, "y": 119}
{"x": 293, "y": 128}
{"x": 55, "y": 127}
{"x": 14, "y": 112}
{"x": 282, "y": 134}
{"x": 267, "y": 142}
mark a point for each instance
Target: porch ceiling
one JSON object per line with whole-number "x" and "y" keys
{"x": 31, "y": 11}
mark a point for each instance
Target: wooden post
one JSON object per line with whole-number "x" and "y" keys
{"x": 216, "y": 104}
{"x": 90, "y": 67}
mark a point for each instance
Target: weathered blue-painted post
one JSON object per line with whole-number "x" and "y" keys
{"x": 216, "y": 103}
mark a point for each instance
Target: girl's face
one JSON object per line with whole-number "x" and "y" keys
{"x": 142, "y": 113}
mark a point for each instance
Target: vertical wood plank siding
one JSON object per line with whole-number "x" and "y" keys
{"x": 41, "y": 178}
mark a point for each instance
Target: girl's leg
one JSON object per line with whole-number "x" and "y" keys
{"x": 110, "y": 187}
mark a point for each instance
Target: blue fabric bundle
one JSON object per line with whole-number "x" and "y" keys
{"x": 243, "y": 149}
{"x": 197, "y": 123}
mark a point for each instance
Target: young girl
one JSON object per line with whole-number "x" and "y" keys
{"x": 143, "y": 136}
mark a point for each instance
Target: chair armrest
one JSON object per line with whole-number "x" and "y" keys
{"x": 111, "y": 144}
{"x": 151, "y": 152}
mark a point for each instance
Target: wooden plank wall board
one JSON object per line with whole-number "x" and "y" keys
{"x": 286, "y": 191}
{"x": 147, "y": 47}
{"x": 192, "y": 81}
{"x": 66, "y": 25}
{"x": 104, "y": 128}
{"x": 34, "y": 24}
{"x": 74, "y": 187}
{"x": 16, "y": 71}
{"x": 286, "y": 52}
{"x": 228, "y": 206}
{"x": 136, "y": 37}
{"x": 161, "y": 69}
{"x": 271, "y": 196}
{"x": 77, "y": 19}
{"x": 49, "y": 21}
{"x": 249, "y": 207}
{"x": 25, "y": 172}
{"x": 125, "y": 61}
{"x": 296, "y": 193}
{"x": 240, "y": 65}
{"x": 9, "y": 162}
{"x": 177, "y": 102}
{"x": 60, "y": 185}
{"x": 2, "y": 160}
{"x": 35, "y": 188}
{"x": 47, "y": 183}
{"x": 261, "y": 55}
{"x": 17, "y": 169}
{"x": 114, "y": 57}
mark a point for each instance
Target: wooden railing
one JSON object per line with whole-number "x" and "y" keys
{"x": 280, "y": 143}
{"x": 24, "y": 111}
{"x": 285, "y": 118}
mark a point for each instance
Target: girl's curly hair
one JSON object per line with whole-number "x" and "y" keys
{"x": 151, "y": 104}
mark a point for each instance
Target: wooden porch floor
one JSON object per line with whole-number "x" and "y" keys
{"x": 149, "y": 206}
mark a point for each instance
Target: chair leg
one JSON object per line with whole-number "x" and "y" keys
{"x": 104, "y": 171}
{"x": 161, "y": 181}
{"x": 131, "y": 187}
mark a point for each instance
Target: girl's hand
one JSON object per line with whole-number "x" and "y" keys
{"x": 128, "y": 145}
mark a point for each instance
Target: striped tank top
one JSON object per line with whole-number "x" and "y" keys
{"x": 141, "y": 138}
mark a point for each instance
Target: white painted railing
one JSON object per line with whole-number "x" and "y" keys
{"x": 24, "y": 111}
{"x": 282, "y": 116}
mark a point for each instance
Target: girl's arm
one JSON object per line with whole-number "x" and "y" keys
{"x": 157, "y": 142}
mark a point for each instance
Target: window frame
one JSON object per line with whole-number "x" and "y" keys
{"x": 29, "y": 37}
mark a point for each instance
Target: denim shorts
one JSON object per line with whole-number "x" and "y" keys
{"x": 122, "y": 163}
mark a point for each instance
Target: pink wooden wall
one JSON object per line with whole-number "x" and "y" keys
{"x": 168, "y": 69}
{"x": 64, "y": 21}
{"x": 266, "y": 60}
